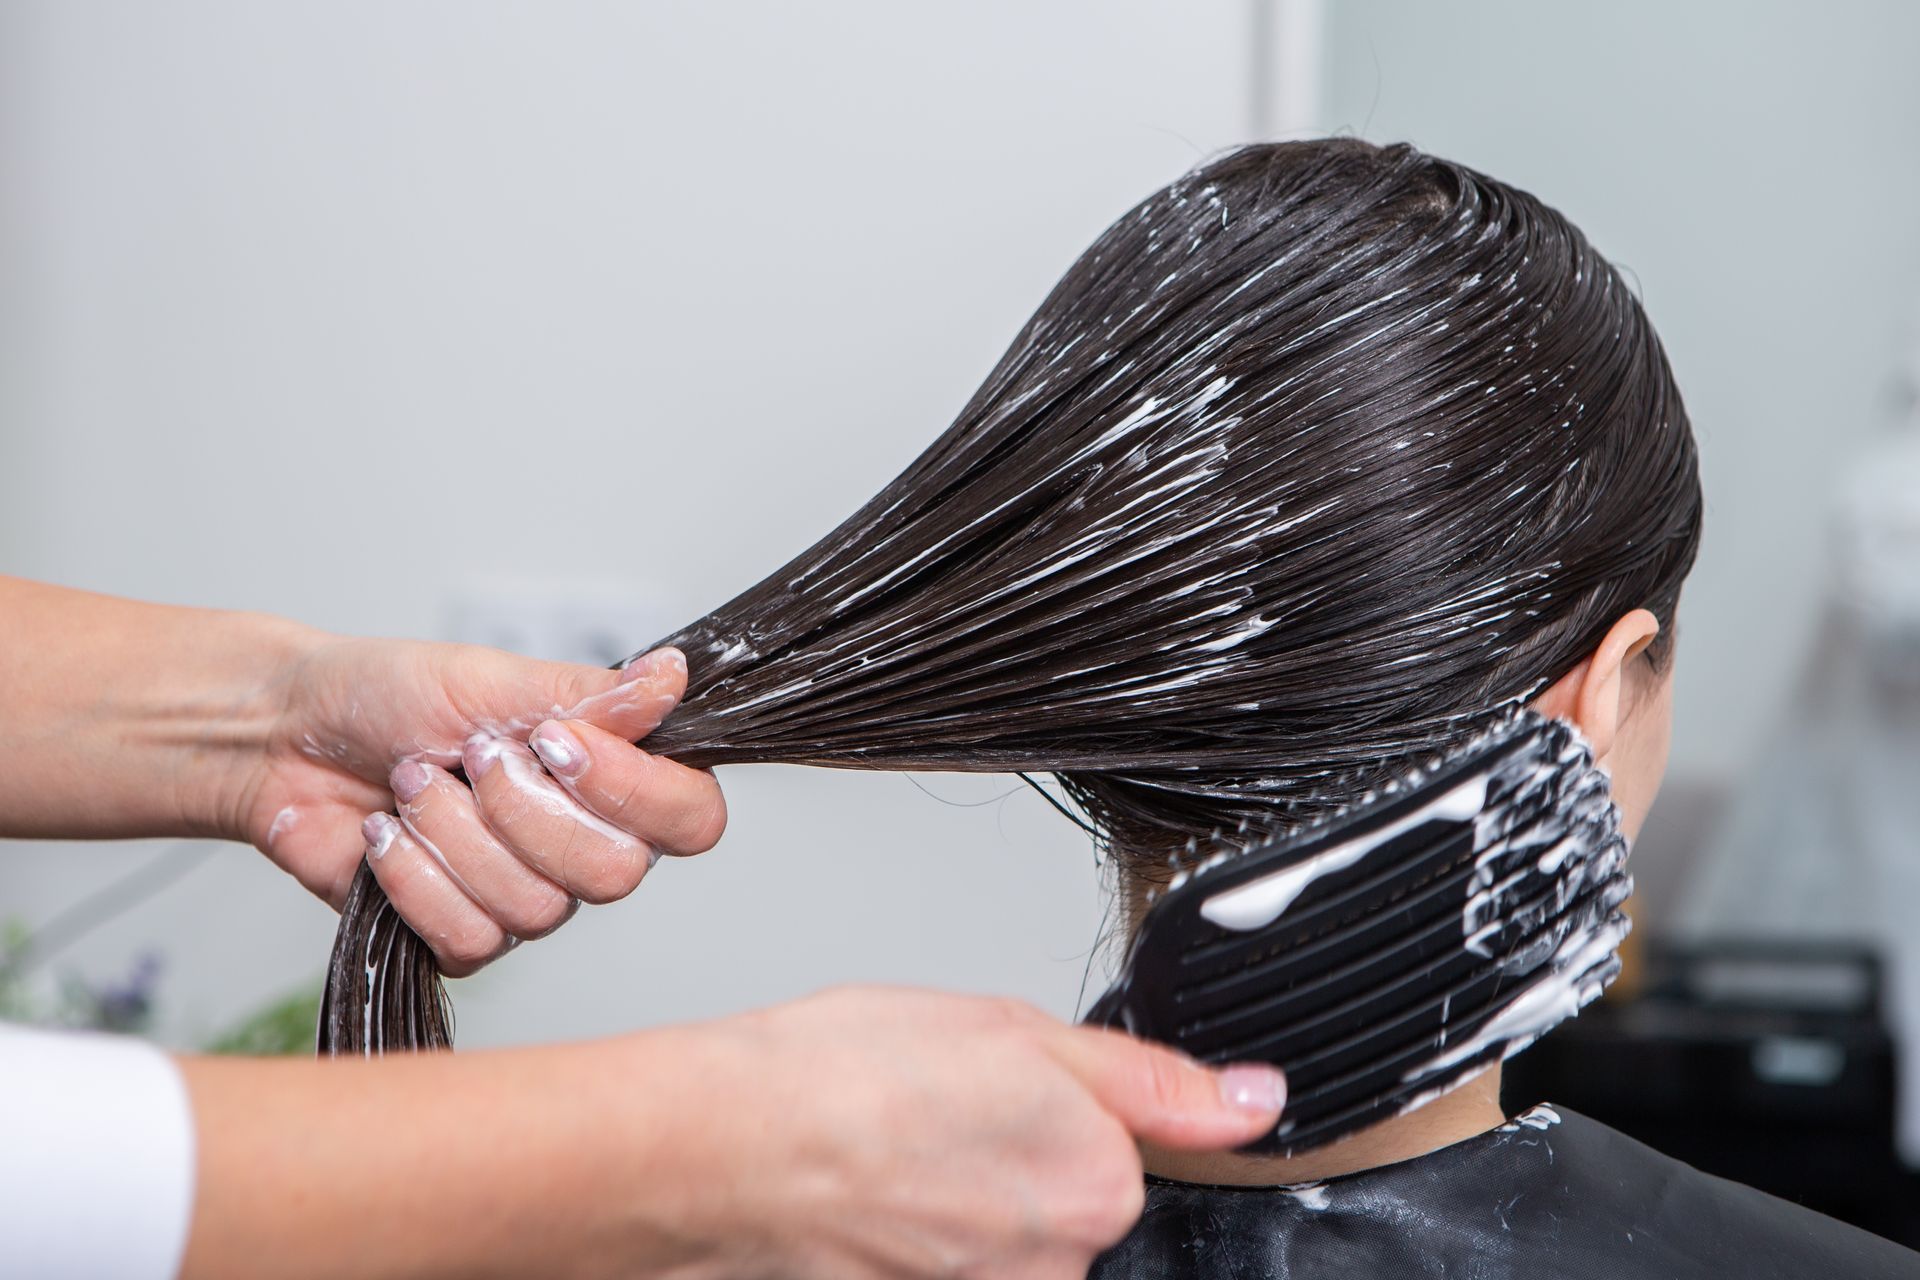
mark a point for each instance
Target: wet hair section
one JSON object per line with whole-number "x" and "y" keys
{"x": 1315, "y": 461}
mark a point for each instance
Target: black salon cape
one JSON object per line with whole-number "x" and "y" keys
{"x": 1551, "y": 1194}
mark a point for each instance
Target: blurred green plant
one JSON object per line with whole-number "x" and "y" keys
{"x": 283, "y": 1026}
{"x": 15, "y": 1003}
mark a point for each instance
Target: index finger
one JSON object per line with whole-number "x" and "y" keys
{"x": 675, "y": 809}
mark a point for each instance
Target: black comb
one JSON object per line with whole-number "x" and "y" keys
{"x": 1385, "y": 954}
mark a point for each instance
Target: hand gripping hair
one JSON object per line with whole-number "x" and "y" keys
{"x": 1318, "y": 462}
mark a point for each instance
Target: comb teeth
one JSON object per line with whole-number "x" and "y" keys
{"x": 1390, "y": 974}
{"x": 1442, "y": 899}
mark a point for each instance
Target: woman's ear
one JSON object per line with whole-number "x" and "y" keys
{"x": 1590, "y": 694}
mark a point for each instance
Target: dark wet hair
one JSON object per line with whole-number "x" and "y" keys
{"x": 1314, "y": 461}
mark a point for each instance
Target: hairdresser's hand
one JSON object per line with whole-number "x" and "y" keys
{"x": 858, "y": 1135}
{"x": 892, "y": 1133}
{"x": 557, "y": 807}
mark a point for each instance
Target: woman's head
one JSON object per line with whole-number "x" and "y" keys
{"x": 1312, "y": 460}
{"x": 1311, "y": 463}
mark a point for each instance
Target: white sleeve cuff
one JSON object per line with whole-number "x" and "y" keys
{"x": 96, "y": 1157}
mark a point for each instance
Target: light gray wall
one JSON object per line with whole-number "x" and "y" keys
{"x": 1755, "y": 167}
{"x": 337, "y": 310}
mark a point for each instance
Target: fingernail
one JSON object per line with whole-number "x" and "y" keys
{"x": 1250, "y": 1086}
{"x": 408, "y": 779}
{"x": 378, "y": 831}
{"x": 559, "y": 749}
{"x": 478, "y": 755}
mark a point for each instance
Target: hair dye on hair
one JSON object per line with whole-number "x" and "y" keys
{"x": 1315, "y": 461}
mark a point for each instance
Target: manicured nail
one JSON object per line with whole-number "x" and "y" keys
{"x": 378, "y": 831}
{"x": 559, "y": 749}
{"x": 408, "y": 779}
{"x": 1250, "y": 1086}
{"x": 478, "y": 755}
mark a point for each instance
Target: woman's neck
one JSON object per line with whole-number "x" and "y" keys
{"x": 1471, "y": 1109}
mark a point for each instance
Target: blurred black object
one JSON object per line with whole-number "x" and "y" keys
{"x": 1766, "y": 1062}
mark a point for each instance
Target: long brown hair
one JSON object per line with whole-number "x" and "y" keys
{"x": 1314, "y": 461}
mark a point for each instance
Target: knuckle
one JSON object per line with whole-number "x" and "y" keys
{"x": 1113, "y": 1193}
{"x": 1119, "y": 1209}
{"x": 504, "y": 809}
{"x": 705, "y": 822}
{"x": 541, "y": 913}
{"x": 610, "y": 874}
{"x": 630, "y": 799}
{"x": 1094, "y": 1213}
{"x": 471, "y": 946}
{"x": 566, "y": 860}
{"x": 1008, "y": 1011}
{"x": 576, "y": 687}
{"x": 1163, "y": 1082}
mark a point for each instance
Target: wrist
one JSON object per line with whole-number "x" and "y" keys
{"x": 711, "y": 1118}
{"x": 206, "y": 721}
{"x": 687, "y": 1160}
{"x": 133, "y": 719}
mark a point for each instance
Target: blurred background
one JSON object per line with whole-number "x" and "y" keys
{"x": 554, "y": 325}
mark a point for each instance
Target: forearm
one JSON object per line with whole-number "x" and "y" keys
{"x": 128, "y": 719}
{"x": 577, "y": 1160}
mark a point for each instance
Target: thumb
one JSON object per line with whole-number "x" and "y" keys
{"x": 1167, "y": 1098}
{"x": 629, "y": 702}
